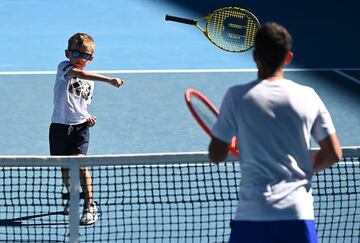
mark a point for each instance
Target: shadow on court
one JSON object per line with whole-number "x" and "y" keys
{"x": 325, "y": 34}
{"x": 23, "y": 221}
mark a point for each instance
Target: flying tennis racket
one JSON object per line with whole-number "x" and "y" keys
{"x": 205, "y": 113}
{"x": 232, "y": 29}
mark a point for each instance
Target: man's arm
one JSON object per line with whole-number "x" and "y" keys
{"x": 330, "y": 152}
{"x": 83, "y": 74}
{"x": 218, "y": 150}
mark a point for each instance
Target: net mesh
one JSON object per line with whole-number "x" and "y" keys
{"x": 181, "y": 198}
{"x": 336, "y": 201}
{"x": 31, "y": 204}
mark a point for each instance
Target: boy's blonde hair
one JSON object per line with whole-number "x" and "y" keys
{"x": 81, "y": 40}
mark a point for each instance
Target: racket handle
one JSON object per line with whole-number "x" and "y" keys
{"x": 180, "y": 20}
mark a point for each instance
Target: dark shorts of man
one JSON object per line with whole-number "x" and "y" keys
{"x": 69, "y": 139}
{"x": 294, "y": 231}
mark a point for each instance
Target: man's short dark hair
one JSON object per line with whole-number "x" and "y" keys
{"x": 272, "y": 43}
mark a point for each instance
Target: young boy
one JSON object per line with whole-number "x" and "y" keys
{"x": 274, "y": 119}
{"x": 70, "y": 122}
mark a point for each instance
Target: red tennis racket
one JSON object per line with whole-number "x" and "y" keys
{"x": 205, "y": 113}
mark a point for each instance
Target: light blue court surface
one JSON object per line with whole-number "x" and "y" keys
{"x": 148, "y": 114}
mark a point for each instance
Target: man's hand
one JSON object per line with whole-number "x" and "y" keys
{"x": 218, "y": 150}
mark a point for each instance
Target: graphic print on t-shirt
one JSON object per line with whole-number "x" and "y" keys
{"x": 80, "y": 88}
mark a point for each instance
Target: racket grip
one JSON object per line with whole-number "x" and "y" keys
{"x": 180, "y": 20}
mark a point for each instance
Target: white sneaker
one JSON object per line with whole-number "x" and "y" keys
{"x": 89, "y": 215}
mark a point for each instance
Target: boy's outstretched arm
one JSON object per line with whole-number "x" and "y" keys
{"x": 89, "y": 75}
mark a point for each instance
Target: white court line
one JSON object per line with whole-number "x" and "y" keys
{"x": 345, "y": 75}
{"x": 243, "y": 70}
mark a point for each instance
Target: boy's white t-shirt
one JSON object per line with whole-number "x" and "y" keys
{"x": 274, "y": 121}
{"x": 71, "y": 97}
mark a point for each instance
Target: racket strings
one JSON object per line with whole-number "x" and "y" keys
{"x": 206, "y": 115}
{"x": 232, "y": 29}
{"x": 251, "y": 29}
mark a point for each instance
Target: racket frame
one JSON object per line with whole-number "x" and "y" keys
{"x": 205, "y": 31}
{"x": 190, "y": 22}
{"x": 193, "y": 92}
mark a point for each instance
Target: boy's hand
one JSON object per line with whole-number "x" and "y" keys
{"x": 117, "y": 82}
{"x": 91, "y": 121}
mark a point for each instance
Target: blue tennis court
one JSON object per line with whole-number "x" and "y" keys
{"x": 159, "y": 60}
{"x": 133, "y": 34}
{"x": 126, "y": 120}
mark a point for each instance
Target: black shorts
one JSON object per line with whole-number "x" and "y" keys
{"x": 69, "y": 139}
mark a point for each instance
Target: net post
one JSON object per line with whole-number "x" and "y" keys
{"x": 74, "y": 198}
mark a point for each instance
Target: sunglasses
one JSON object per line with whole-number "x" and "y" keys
{"x": 76, "y": 54}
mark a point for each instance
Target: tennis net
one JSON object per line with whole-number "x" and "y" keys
{"x": 154, "y": 198}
